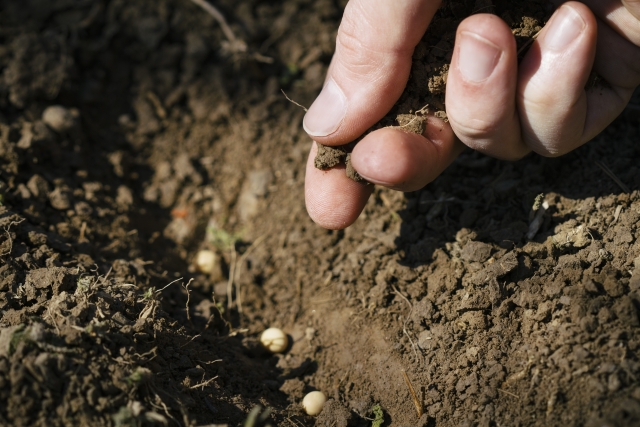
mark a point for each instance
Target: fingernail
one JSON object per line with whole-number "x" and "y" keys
{"x": 477, "y": 57}
{"x": 327, "y": 112}
{"x": 565, "y": 27}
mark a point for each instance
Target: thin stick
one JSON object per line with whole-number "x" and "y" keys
{"x": 403, "y": 297}
{"x": 211, "y": 10}
{"x": 189, "y": 342}
{"x": 239, "y": 268}
{"x": 613, "y": 176}
{"x": 414, "y": 396}
{"x": 509, "y": 393}
{"x": 232, "y": 273}
{"x": 6, "y": 230}
{"x": 292, "y": 101}
{"x": 528, "y": 43}
{"x": 166, "y": 410}
{"x": 160, "y": 290}
{"x": 203, "y": 384}
{"x": 186, "y": 288}
{"x": 404, "y": 326}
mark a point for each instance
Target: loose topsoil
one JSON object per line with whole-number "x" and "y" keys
{"x": 172, "y": 140}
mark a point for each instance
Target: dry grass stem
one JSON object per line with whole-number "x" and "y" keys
{"x": 213, "y": 11}
{"x": 204, "y": 384}
{"x": 232, "y": 272}
{"x": 509, "y": 393}
{"x": 160, "y": 290}
{"x": 235, "y": 45}
{"x": 186, "y": 288}
{"x": 6, "y": 230}
{"x": 238, "y": 269}
{"x": 414, "y": 396}
{"x": 613, "y": 176}
{"x": 528, "y": 43}
{"x": 292, "y": 101}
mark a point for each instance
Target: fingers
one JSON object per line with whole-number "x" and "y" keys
{"x": 406, "y": 161}
{"x": 620, "y": 15}
{"x": 333, "y": 200}
{"x": 389, "y": 157}
{"x": 481, "y": 88}
{"x": 618, "y": 64}
{"x": 551, "y": 98}
{"x": 370, "y": 67}
{"x": 633, "y": 7}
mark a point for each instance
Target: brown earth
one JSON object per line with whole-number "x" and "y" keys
{"x": 169, "y": 144}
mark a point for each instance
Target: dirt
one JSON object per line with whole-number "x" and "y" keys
{"x": 425, "y": 90}
{"x": 167, "y": 144}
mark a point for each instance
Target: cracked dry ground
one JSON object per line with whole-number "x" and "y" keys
{"x": 170, "y": 146}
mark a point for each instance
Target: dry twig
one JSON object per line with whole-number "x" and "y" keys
{"x": 204, "y": 384}
{"x": 238, "y": 268}
{"x": 160, "y": 290}
{"x": 186, "y": 288}
{"x": 234, "y": 44}
{"x": 293, "y": 102}
{"x": 414, "y": 396}
{"x": 613, "y": 176}
{"x": 6, "y": 230}
{"x": 509, "y": 393}
{"x": 232, "y": 273}
{"x": 528, "y": 43}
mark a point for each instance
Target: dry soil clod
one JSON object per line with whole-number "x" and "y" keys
{"x": 328, "y": 157}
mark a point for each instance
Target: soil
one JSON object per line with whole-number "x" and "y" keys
{"x": 168, "y": 144}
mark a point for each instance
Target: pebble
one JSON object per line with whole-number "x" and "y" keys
{"x": 59, "y": 118}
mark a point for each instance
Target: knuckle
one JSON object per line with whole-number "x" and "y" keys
{"x": 360, "y": 47}
{"x": 355, "y": 56}
{"x": 473, "y": 131}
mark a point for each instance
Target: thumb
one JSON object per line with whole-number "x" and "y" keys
{"x": 370, "y": 67}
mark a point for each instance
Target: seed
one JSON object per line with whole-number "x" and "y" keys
{"x": 274, "y": 340}
{"x": 206, "y": 261}
{"x": 314, "y": 402}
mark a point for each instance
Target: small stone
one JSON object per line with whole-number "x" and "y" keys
{"x": 476, "y": 252}
{"x": 588, "y": 324}
{"x": 59, "y": 118}
{"x": 125, "y": 196}
{"x": 613, "y": 383}
{"x": 255, "y": 188}
{"x": 60, "y": 199}
{"x": 38, "y": 186}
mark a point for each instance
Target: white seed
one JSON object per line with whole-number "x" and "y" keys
{"x": 274, "y": 340}
{"x": 206, "y": 261}
{"x": 314, "y": 402}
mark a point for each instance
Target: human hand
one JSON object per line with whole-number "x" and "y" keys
{"x": 493, "y": 104}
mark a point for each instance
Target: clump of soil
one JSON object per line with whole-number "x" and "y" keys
{"x": 426, "y": 87}
{"x": 165, "y": 145}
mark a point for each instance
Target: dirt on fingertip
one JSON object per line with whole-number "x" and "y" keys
{"x": 134, "y": 135}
